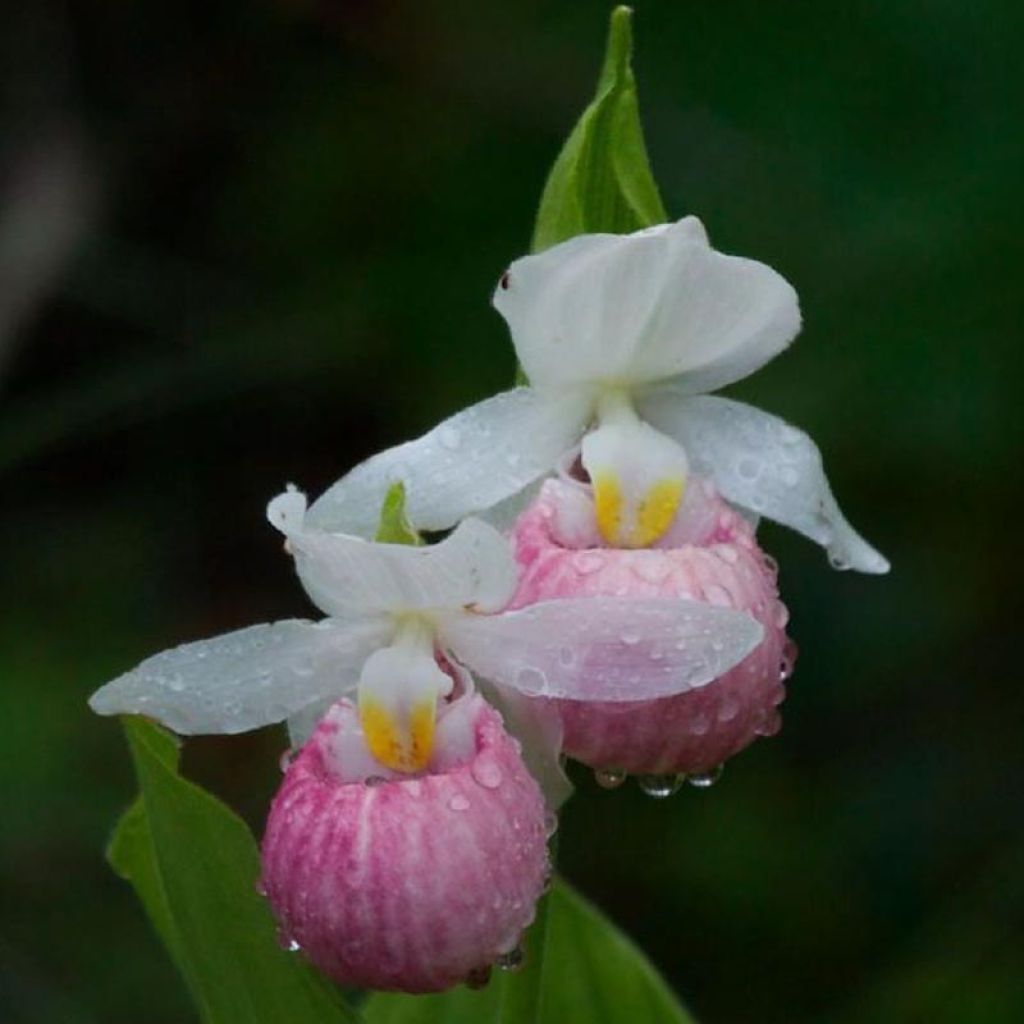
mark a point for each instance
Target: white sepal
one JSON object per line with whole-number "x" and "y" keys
{"x": 474, "y": 566}
{"x": 762, "y": 463}
{"x": 466, "y": 464}
{"x": 246, "y": 679}
{"x": 603, "y": 648}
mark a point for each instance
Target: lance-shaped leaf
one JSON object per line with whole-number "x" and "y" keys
{"x": 601, "y": 180}
{"x": 194, "y": 865}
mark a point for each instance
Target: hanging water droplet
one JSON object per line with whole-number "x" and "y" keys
{"x": 459, "y": 803}
{"x": 550, "y": 823}
{"x": 781, "y": 615}
{"x": 770, "y": 725}
{"x": 285, "y": 941}
{"x": 286, "y": 759}
{"x": 705, "y": 780}
{"x": 374, "y": 780}
{"x": 512, "y": 960}
{"x": 261, "y": 889}
{"x": 478, "y": 977}
{"x": 610, "y": 778}
{"x": 837, "y": 561}
{"x": 660, "y": 786}
{"x": 729, "y": 709}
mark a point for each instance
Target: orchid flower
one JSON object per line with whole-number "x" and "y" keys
{"x": 621, "y": 336}
{"x": 392, "y": 610}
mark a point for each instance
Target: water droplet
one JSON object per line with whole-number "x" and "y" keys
{"x": 176, "y": 683}
{"x": 286, "y": 759}
{"x": 729, "y": 709}
{"x": 566, "y": 657}
{"x": 781, "y": 615}
{"x": 587, "y": 562}
{"x": 660, "y": 786}
{"x": 512, "y": 960}
{"x": 261, "y": 889}
{"x": 531, "y": 680}
{"x": 630, "y": 639}
{"x": 771, "y": 724}
{"x": 449, "y": 438}
{"x": 478, "y": 977}
{"x": 609, "y": 778}
{"x": 653, "y": 569}
{"x": 705, "y": 780}
{"x": 285, "y": 941}
{"x": 550, "y": 823}
{"x": 837, "y": 561}
{"x": 770, "y": 564}
{"x": 486, "y": 772}
{"x": 459, "y": 803}
{"x": 374, "y": 780}
{"x": 716, "y": 595}
{"x": 748, "y": 468}
{"x": 700, "y": 725}
{"x": 728, "y": 554}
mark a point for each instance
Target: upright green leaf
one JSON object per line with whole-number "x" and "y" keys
{"x": 588, "y": 973}
{"x": 194, "y": 865}
{"x": 602, "y": 180}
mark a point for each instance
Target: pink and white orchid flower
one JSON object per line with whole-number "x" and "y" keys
{"x": 621, "y": 337}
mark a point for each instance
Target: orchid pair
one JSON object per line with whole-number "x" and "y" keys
{"x": 629, "y": 620}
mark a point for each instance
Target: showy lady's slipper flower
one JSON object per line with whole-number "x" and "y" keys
{"x": 562, "y": 554}
{"x": 621, "y": 337}
{"x": 418, "y": 769}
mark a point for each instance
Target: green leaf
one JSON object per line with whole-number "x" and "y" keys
{"x": 395, "y": 527}
{"x": 580, "y": 970}
{"x": 194, "y": 865}
{"x": 602, "y": 180}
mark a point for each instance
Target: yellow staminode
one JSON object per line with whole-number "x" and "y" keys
{"x": 642, "y": 525}
{"x": 403, "y": 743}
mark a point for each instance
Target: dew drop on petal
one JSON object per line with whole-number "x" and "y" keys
{"x": 717, "y": 595}
{"x": 609, "y": 778}
{"x": 531, "y": 680}
{"x": 630, "y": 639}
{"x": 587, "y": 562}
{"x": 660, "y": 786}
{"x": 550, "y": 823}
{"x": 458, "y": 803}
{"x": 705, "y": 780}
{"x": 449, "y": 438}
{"x": 285, "y": 941}
{"x": 771, "y": 725}
{"x": 286, "y": 759}
{"x": 486, "y": 772}
{"x": 728, "y": 710}
{"x": 374, "y": 780}
{"x": 566, "y": 657}
{"x": 727, "y": 553}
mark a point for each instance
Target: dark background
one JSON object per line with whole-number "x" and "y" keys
{"x": 248, "y": 243}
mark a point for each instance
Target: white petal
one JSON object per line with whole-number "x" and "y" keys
{"x": 762, "y": 463}
{"x": 603, "y": 648}
{"x": 350, "y": 576}
{"x": 246, "y": 679}
{"x": 466, "y": 464}
{"x": 645, "y": 307}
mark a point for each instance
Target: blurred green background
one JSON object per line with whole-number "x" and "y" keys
{"x": 249, "y": 243}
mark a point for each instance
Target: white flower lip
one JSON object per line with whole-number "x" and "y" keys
{"x": 658, "y": 314}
